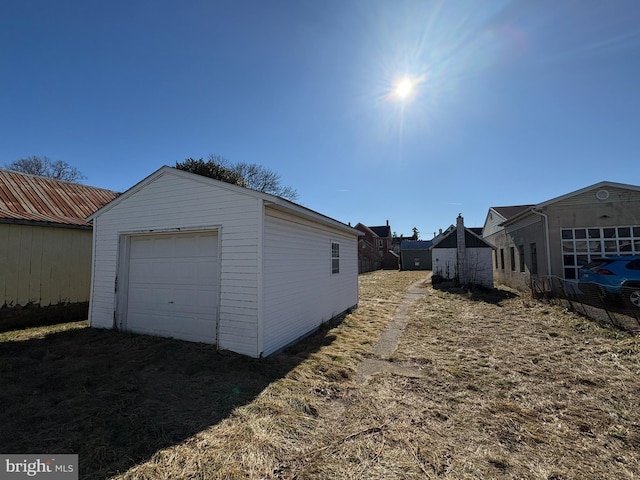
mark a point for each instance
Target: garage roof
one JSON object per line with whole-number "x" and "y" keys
{"x": 271, "y": 201}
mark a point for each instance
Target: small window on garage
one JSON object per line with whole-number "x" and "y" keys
{"x": 335, "y": 257}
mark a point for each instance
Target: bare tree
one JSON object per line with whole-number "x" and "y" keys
{"x": 45, "y": 167}
{"x": 264, "y": 180}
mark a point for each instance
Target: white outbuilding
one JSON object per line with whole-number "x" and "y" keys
{"x": 463, "y": 256}
{"x": 185, "y": 256}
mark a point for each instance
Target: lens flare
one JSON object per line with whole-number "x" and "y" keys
{"x": 404, "y": 88}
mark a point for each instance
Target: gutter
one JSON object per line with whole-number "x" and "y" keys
{"x": 547, "y": 244}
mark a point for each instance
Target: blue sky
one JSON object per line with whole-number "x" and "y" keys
{"x": 515, "y": 102}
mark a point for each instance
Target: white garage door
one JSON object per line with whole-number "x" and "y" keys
{"x": 173, "y": 285}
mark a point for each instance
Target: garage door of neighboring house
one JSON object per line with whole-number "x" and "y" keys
{"x": 172, "y": 285}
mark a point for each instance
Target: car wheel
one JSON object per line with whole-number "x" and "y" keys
{"x": 634, "y": 297}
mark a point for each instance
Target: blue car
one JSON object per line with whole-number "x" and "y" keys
{"x": 613, "y": 277}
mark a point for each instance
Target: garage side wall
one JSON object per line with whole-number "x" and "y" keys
{"x": 172, "y": 202}
{"x": 300, "y": 290}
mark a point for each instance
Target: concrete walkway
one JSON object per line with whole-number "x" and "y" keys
{"x": 388, "y": 342}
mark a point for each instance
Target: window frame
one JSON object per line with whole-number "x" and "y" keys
{"x": 335, "y": 257}
{"x": 533, "y": 249}
{"x": 579, "y": 245}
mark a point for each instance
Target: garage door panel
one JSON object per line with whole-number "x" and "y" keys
{"x": 207, "y": 272}
{"x": 154, "y": 273}
{"x": 197, "y": 299}
{"x": 173, "y": 285}
{"x": 148, "y": 296}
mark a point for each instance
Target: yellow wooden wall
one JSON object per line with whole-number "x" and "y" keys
{"x": 44, "y": 265}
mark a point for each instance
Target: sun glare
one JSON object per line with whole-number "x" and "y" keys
{"x": 404, "y": 88}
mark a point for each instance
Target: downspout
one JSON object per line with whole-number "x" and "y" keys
{"x": 547, "y": 244}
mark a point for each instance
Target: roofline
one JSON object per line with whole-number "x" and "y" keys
{"x": 370, "y": 231}
{"x": 493, "y": 209}
{"x": 518, "y": 216}
{"x": 268, "y": 199}
{"x": 604, "y": 183}
{"x": 546, "y": 203}
{"x": 480, "y": 237}
{"x": 42, "y": 223}
{"x": 57, "y": 180}
{"x": 466, "y": 229}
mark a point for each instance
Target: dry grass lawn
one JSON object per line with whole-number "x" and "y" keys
{"x": 491, "y": 386}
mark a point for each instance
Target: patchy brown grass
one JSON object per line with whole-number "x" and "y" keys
{"x": 494, "y": 386}
{"x": 502, "y": 387}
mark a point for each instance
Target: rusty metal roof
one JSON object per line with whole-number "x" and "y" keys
{"x": 40, "y": 200}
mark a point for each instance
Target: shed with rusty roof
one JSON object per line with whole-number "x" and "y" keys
{"x": 45, "y": 240}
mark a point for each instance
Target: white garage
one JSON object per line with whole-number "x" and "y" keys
{"x": 184, "y": 256}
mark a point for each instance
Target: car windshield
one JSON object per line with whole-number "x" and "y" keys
{"x": 634, "y": 265}
{"x": 597, "y": 263}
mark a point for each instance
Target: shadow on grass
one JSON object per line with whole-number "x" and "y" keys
{"x": 116, "y": 398}
{"x": 29, "y": 316}
{"x": 494, "y": 296}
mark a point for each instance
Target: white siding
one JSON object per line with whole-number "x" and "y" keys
{"x": 300, "y": 292}
{"x": 492, "y": 223}
{"x": 480, "y": 266}
{"x": 445, "y": 262}
{"x": 478, "y": 260}
{"x": 175, "y": 202}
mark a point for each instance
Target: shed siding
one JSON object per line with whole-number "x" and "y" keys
{"x": 168, "y": 203}
{"x": 44, "y": 265}
{"x": 445, "y": 262}
{"x": 479, "y": 264}
{"x": 300, "y": 292}
{"x": 409, "y": 259}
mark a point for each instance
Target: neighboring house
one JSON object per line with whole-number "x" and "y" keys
{"x": 463, "y": 256}
{"x": 375, "y": 249}
{"x": 45, "y": 240}
{"x": 397, "y": 241}
{"x": 558, "y": 236}
{"x": 185, "y": 256}
{"x": 415, "y": 255}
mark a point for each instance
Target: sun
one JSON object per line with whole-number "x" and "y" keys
{"x": 404, "y": 88}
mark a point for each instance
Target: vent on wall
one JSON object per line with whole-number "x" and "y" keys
{"x": 602, "y": 194}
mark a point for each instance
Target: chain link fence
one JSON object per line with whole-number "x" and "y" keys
{"x": 590, "y": 300}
